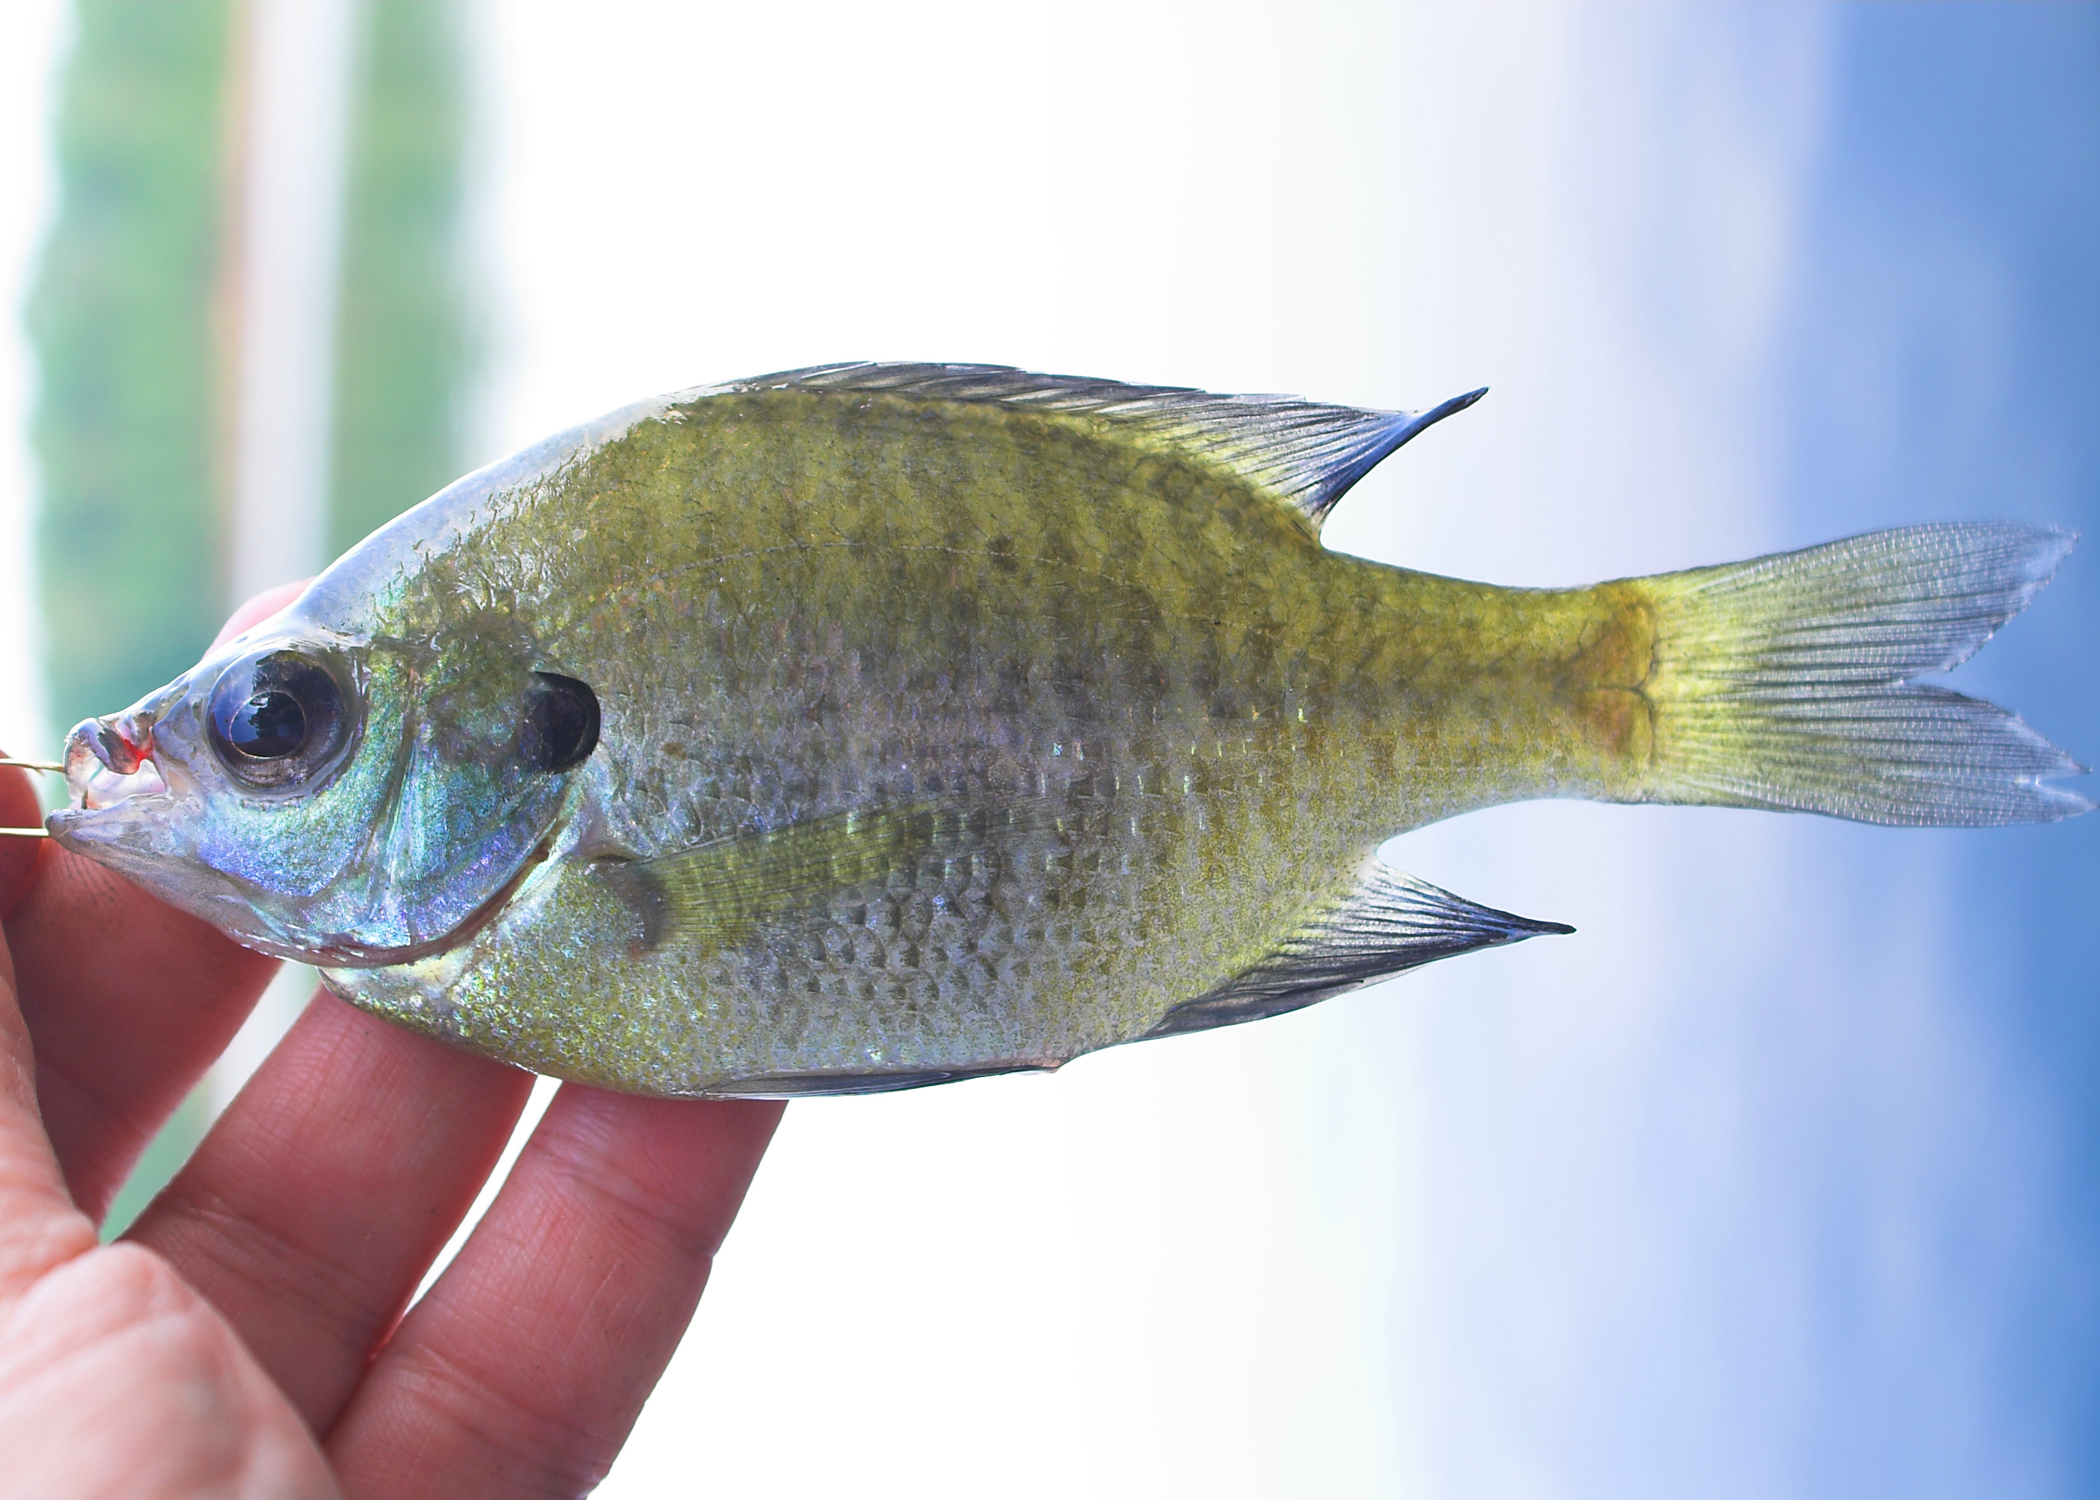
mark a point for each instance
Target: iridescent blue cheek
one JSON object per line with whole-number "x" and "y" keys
{"x": 443, "y": 798}
{"x": 293, "y": 844}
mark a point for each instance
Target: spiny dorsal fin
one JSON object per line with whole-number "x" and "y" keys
{"x": 1389, "y": 924}
{"x": 1306, "y": 453}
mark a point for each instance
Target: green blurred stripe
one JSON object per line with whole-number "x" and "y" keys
{"x": 403, "y": 351}
{"x": 131, "y": 429}
{"x": 126, "y": 429}
{"x": 128, "y": 423}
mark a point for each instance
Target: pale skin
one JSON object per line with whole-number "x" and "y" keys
{"x": 246, "y": 1337}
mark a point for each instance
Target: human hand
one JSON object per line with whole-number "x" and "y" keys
{"x": 246, "y": 1337}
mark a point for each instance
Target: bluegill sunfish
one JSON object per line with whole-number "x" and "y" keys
{"x": 877, "y": 725}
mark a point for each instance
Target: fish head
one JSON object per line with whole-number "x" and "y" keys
{"x": 348, "y": 799}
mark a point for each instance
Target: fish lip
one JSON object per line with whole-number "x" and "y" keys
{"x": 112, "y": 765}
{"x": 120, "y": 744}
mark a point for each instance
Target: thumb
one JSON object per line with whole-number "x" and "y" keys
{"x": 259, "y": 609}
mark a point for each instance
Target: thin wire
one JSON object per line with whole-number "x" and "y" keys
{"x": 31, "y": 765}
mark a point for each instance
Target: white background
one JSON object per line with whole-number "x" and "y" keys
{"x": 1548, "y": 1221}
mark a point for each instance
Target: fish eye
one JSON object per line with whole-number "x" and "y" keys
{"x": 277, "y": 718}
{"x": 560, "y": 729}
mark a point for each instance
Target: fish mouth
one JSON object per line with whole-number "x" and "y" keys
{"x": 110, "y": 763}
{"x": 104, "y": 789}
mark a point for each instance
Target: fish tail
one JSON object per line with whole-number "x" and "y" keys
{"x": 1790, "y": 681}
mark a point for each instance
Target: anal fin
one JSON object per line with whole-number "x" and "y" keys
{"x": 1390, "y": 923}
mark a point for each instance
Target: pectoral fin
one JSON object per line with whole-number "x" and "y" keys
{"x": 716, "y": 895}
{"x": 1388, "y": 924}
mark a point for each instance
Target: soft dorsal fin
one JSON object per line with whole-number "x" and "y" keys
{"x": 1307, "y": 454}
{"x": 1388, "y": 924}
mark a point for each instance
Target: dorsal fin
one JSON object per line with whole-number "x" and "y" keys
{"x": 1388, "y": 924}
{"x": 1307, "y": 454}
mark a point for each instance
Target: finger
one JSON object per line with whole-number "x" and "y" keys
{"x": 19, "y": 808}
{"x": 324, "y": 1192}
{"x": 524, "y": 1368}
{"x": 121, "y": 1381}
{"x": 128, "y": 1001}
{"x": 257, "y": 610}
{"x": 39, "y": 1226}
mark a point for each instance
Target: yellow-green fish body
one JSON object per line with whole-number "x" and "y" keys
{"x": 876, "y": 725}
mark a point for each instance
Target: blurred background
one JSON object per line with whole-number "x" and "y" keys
{"x": 1781, "y": 1177}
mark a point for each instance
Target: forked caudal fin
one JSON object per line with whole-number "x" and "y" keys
{"x": 1789, "y": 681}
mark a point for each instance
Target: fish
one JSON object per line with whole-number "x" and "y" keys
{"x": 869, "y": 726}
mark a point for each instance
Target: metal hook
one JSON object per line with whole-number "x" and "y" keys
{"x": 27, "y": 765}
